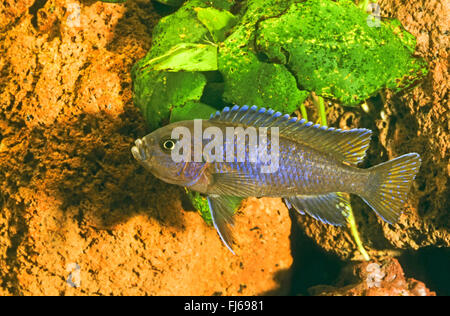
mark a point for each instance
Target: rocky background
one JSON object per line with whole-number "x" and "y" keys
{"x": 79, "y": 217}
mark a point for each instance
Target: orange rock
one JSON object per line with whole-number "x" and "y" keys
{"x": 78, "y": 216}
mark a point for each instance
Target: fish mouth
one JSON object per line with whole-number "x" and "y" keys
{"x": 141, "y": 152}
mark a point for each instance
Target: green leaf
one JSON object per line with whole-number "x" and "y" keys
{"x": 216, "y": 21}
{"x": 179, "y": 27}
{"x": 183, "y": 26}
{"x": 191, "y": 110}
{"x": 164, "y": 80}
{"x": 332, "y": 50}
{"x": 187, "y": 57}
{"x": 157, "y": 92}
{"x": 248, "y": 80}
{"x": 200, "y": 203}
{"x": 252, "y": 82}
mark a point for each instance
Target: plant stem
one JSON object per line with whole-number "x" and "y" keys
{"x": 303, "y": 111}
{"x": 319, "y": 103}
{"x": 355, "y": 234}
{"x": 363, "y": 4}
{"x": 322, "y": 114}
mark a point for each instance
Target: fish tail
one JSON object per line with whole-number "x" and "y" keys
{"x": 389, "y": 184}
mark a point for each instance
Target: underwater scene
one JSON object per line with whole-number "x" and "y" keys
{"x": 224, "y": 148}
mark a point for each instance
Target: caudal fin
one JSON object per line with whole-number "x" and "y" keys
{"x": 389, "y": 184}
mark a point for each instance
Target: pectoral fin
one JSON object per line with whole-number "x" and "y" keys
{"x": 331, "y": 208}
{"x": 234, "y": 184}
{"x": 222, "y": 209}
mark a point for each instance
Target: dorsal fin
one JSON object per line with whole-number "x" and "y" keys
{"x": 345, "y": 145}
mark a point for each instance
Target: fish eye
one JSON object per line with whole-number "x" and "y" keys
{"x": 168, "y": 144}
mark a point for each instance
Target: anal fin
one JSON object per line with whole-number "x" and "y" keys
{"x": 331, "y": 208}
{"x": 222, "y": 209}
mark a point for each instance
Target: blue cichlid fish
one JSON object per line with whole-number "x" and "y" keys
{"x": 312, "y": 165}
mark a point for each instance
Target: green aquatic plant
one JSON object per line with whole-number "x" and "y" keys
{"x": 172, "y": 75}
{"x": 332, "y": 50}
{"x": 272, "y": 53}
{"x": 201, "y": 204}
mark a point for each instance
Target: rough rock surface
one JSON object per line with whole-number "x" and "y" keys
{"x": 373, "y": 278}
{"x": 413, "y": 121}
{"x": 75, "y": 208}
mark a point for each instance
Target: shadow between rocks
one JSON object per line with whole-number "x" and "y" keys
{"x": 429, "y": 265}
{"x": 311, "y": 265}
